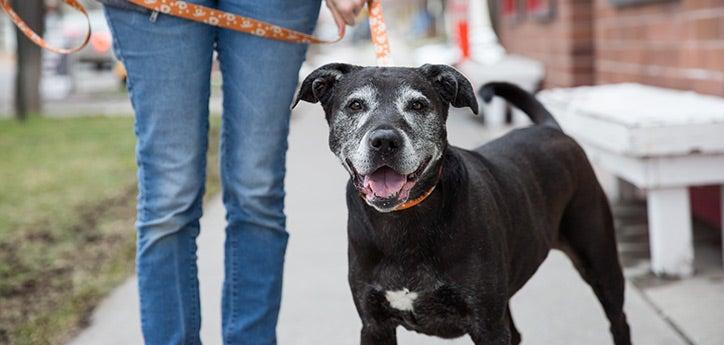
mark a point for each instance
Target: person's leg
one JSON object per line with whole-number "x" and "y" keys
{"x": 260, "y": 77}
{"x": 168, "y": 62}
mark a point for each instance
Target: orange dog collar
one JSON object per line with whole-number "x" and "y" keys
{"x": 416, "y": 201}
{"x": 421, "y": 198}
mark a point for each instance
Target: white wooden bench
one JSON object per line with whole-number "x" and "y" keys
{"x": 660, "y": 140}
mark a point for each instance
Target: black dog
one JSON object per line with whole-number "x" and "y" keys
{"x": 440, "y": 238}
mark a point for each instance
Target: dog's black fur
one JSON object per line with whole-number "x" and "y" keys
{"x": 495, "y": 213}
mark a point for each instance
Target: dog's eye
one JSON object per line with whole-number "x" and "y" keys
{"x": 416, "y": 105}
{"x": 355, "y": 105}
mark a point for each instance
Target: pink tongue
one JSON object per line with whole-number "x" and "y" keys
{"x": 385, "y": 182}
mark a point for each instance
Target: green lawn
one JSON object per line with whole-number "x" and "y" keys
{"x": 67, "y": 201}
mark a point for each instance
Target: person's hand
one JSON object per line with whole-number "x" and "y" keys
{"x": 345, "y": 11}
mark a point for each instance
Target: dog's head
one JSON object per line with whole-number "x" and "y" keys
{"x": 387, "y": 124}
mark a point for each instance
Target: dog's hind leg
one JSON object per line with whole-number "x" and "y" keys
{"x": 514, "y": 334}
{"x": 587, "y": 236}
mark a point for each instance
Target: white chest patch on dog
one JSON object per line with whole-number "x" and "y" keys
{"x": 402, "y": 299}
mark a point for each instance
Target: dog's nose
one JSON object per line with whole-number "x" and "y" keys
{"x": 385, "y": 141}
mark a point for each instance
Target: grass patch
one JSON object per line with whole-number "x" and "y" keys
{"x": 67, "y": 209}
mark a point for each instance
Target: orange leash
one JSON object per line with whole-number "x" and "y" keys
{"x": 27, "y": 31}
{"x": 226, "y": 20}
{"x": 378, "y": 32}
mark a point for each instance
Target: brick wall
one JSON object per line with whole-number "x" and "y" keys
{"x": 677, "y": 44}
{"x": 564, "y": 44}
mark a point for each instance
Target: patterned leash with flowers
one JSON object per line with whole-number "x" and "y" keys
{"x": 5, "y": 5}
{"x": 378, "y": 32}
{"x": 226, "y": 20}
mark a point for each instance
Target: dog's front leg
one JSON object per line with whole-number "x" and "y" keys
{"x": 377, "y": 327}
{"x": 378, "y": 335}
{"x": 494, "y": 332}
{"x": 499, "y": 337}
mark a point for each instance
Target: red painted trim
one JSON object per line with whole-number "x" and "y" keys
{"x": 706, "y": 205}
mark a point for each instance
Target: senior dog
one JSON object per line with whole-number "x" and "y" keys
{"x": 441, "y": 238}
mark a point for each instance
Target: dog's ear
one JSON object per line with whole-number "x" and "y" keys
{"x": 452, "y": 85}
{"x": 317, "y": 86}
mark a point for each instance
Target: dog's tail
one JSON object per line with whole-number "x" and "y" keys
{"x": 521, "y": 99}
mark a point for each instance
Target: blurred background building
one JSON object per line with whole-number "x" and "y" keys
{"x": 674, "y": 44}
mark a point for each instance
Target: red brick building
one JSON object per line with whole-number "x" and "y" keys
{"x": 675, "y": 44}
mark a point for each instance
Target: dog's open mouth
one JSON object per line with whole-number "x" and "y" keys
{"x": 385, "y": 184}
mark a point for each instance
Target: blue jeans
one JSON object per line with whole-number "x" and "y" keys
{"x": 169, "y": 64}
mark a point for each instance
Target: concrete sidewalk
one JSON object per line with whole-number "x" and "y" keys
{"x": 556, "y": 307}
